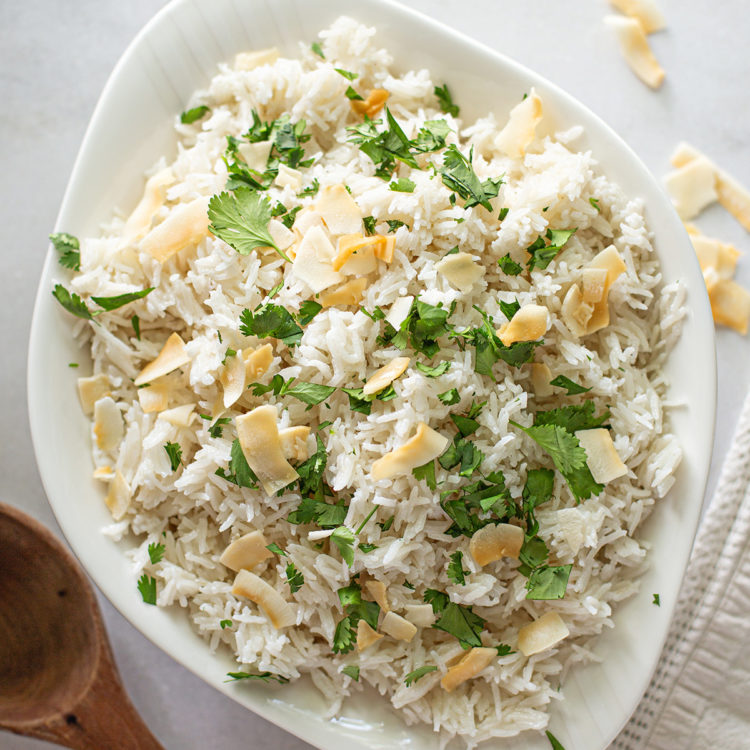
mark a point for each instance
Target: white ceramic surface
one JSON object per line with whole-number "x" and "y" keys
{"x": 132, "y": 125}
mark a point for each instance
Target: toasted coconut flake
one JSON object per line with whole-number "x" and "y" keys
{"x": 106, "y": 473}
{"x": 420, "y": 615}
{"x": 601, "y": 456}
{"x": 610, "y": 260}
{"x": 257, "y": 362}
{"x": 594, "y": 283}
{"x": 311, "y": 264}
{"x": 645, "y": 12}
{"x": 383, "y": 377}
{"x": 278, "y": 611}
{"x": 384, "y": 249}
{"x": 461, "y": 270}
{"x": 475, "y": 661}
{"x": 339, "y": 211}
{"x": 179, "y": 416}
{"x": 118, "y": 497}
{"x": 528, "y": 324}
{"x": 710, "y": 278}
{"x": 154, "y": 397}
{"x": 246, "y": 552}
{"x": 520, "y": 129}
{"x": 425, "y": 445}
{"x": 91, "y": 389}
{"x": 572, "y": 527}
{"x": 283, "y": 237}
{"x": 692, "y": 187}
{"x": 306, "y": 219}
{"x": 366, "y": 636}
{"x": 288, "y": 177}
{"x": 636, "y": 50}
{"x": 397, "y": 627}
{"x": 399, "y": 311}
{"x": 542, "y": 634}
{"x": 255, "y": 155}
{"x": 350, "y": 244}
{"x": 734, "y": 197}
{"x": 541, "y": 376}
{"x": 252, "y": 60}
{"x": 261, "y": 445}
{"x": 139, "y": 222}
{"x": 372, "y": 104}
{"x": 730, "y": 304}
{"x": 715, "y": 254}
{"x": 491, "y": 543}
{"x": 185, "y": 226}
{"x": 172, "y": 356}
{"x": 361, "y": 262}
{"x": 294, "y": 443}
{"x": 576, "y": 313}
{"x": 108, "y": 424}
{"x": 233, "y": 379}
{"x": 379, "y": 593}
{"x": 347, "y": 294}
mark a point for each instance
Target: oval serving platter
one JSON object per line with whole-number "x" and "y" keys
{"x": 132, "y": 126}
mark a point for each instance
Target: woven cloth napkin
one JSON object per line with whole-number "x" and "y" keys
{"x": 699, "y": 697}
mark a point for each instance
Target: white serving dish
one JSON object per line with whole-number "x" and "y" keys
{"x": 176, "y": 53}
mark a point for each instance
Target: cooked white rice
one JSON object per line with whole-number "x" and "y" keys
{"x": 201, "y": 293}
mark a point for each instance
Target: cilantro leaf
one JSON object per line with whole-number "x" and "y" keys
{"x": 351, "y": 670}
{"x": 503, "y": 649}
{"x": 541, "y": 253}
{"x": 68, "y": 247}
{"x": 503, "y": 213}
{"x": 450, "y": 397}
{"x": 556, "y": 744}
{"x": 417, "y": 674}
{"x": 294, "y": 578}
{"x": 458, "y": 175}
{"x": 445, "y": 100}
{"x": 572, "y": 388}
{"x": 572, "y": 418}
{"x": 190, "y": 116}
{"x": 318, "y": 50}
{"x": 509, "y": 266}
{"x": 273, "y": 547}
{"x": 595, "y": 203}
{"x": 241, "y": 220}
{"x": 386, "y": 147}
{"x": 147, "y": 588}
{"x": 225, "y": 624}
{"x": 402, "y": 185}
{"x": 456, "y": 571}
{"x": 394, "y": 224}
{"x": 548, "y": 582}
{"x": 353, "y": 95}
{"x": 135, "y": 321}
{"x": 347, "y": 74}
{"x": 434, "y": 372}
{"x": 432, "y": 135}
{"x": 307, "y": 311}
{"x": 533, "y": 553}
{"x": 271, "y": 320}
{"x": 311, "y": 189}
{"x": 112, "y": 303}
{"x": 262, "y": 676}
{"x": 369, "y": 225}
{"x": 174, "y": 451}
{"x": 343, "y": 637}
{"x": 426, "y": 472}
{"x": 155, "y": 552}
{"x": 657, "y": 600}
{"x": 509, "y": 309}
{"x": 216, "y": 430}
{"x": 343, "y": 538}
{"x": 461, "y": 622}
{"x": 310, "y": 393}
{"x": 71, "y": 302}
{"x": 386, "y": 525}
{"x": 367, "y": 547}
{"x": 437, "y": 600}
{"x": 239, "y": 472}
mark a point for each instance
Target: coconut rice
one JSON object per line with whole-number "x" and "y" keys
{"x": 201, "y": 292}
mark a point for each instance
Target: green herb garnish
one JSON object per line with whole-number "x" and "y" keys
{"x": 190, "y": 116}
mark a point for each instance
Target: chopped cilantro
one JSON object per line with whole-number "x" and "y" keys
{"x": 595, "y": 203}
{"x": 418, "y": 673}
{"x": 573, "y": 418}
{"x": 458, "y": 175}
{"x": 238, "y": 472}
{"x": 386, "y": 147}
{"x": 386, "y": 525}
{"x": 273, "y": 547}
{"x": 216, "y": 430}
{"x": 271, "y": 320}
{"x": 318, "y": 50}
{"x": 572, "y": 388}
{"x": 556, "y": 744}
{"x": 76, "y": 306}
{"x": 353, "y": 95}
{"x": 455, "y": 619}
{"x": 355, "y": 609}
{"x": 445, "y": 100}
{"x": 456, "y": 571}
{"x": 174, "y": 451}
{"x": 548, "y": 582}
{"x": 190, "y": 116}
{"x": 367, "y": 547}
{"x": 155, "y": 552}
{"x": 343, "y": 538}
{"x": 309, "y": 393}
{"x": 262, "y": 676}
{"x": 288, "y": 219}
{"x": 509, "y": 309}
{"x": 542, "y": 253}
{"x": 135, "y": 321}
{"x": 308, "y": 310}
{"x": 421, "y": 328}
{"x": 351, "y": 670}
{"x": 394, "y": 224}
{"x": 657, "y": 600}
{"x": 68, "y": 248}
{"x": 347, "y": 74}
{"x": 426, "y": 472}
{"x": 112, "y": 303}
{"x": 369, "y": 225}
{"x": 241, "y": 220}
{"x": 343, "y": 637}
{"x": 402, "y": 185}
{"x": 434, "y": 372}
{"x": 311, "y": 189}
{"x": 408, "y": 585}
{"x": 503, "y": 649}
{"x": 503, "y": 213}
{"x": 450, "y": 397}
{"x": 294, "y": 578}
{"x": 147, "y": 588}
{"x": 73, "y": 364}
{"x": 509, "y": 266}
{"x": 225, "y": 624}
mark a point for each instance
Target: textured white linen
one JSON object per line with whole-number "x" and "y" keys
{"x": 699, "y": 696}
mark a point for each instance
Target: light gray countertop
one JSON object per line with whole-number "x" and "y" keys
{"x": 54, "y": 60}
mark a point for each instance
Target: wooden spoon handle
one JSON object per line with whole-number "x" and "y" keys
{"x": 104, "y": 717}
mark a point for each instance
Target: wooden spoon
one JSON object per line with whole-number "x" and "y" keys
{"x": 58, "y": 679}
